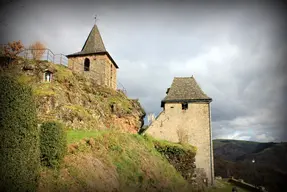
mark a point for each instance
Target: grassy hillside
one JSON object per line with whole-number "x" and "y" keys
{"x": 103, "y": 153}
{"x": 234, "y": 158}
{"x": 114, "y": 161}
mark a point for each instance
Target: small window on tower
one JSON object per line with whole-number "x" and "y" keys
{"x": 87, "y": 64}
{"x": 184, "y": 106}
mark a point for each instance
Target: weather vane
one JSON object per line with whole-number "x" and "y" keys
{"x": 95, "y": 18}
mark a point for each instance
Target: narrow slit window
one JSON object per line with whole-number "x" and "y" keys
{"x": 184, "y": 106}
{"x": 87, "y": 64}
{"x": 112, "y": 107}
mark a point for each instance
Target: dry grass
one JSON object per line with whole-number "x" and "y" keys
{"x": 114, "y": 161}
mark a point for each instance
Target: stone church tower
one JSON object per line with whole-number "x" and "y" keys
{"x": 95, "y": 61}
{"x": 186, "y": 118}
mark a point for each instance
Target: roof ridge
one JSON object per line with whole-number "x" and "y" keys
{"x": 185, "y": 89}
{"x": 183, "y": 77}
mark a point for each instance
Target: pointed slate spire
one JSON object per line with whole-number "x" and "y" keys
{"x": 94, "y": 45}
{"x": 94, "y": 42}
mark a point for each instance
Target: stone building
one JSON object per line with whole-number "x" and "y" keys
{"x": 186, "y": 118}
{"x": 95, "y": 61}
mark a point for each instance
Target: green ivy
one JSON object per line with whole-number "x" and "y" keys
{"x": 182, "y": 157}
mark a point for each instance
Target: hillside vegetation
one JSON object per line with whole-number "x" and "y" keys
{"x": 75, "y": 100}
{"x": 113, "y": 161}
{"x": 104, "y": 151}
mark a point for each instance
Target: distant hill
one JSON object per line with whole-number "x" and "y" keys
{"x": 234, "y": 158}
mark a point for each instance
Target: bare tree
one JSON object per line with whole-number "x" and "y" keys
{"x": 37, "y": 50}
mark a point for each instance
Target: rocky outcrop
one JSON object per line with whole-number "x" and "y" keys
{"x": 78, "y": 101}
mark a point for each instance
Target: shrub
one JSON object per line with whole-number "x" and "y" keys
{"x": 182, "y": 157}
{"x": 37, "y": 50}
{"x": 19, "y": 137}
{"x": 53, "y": 143}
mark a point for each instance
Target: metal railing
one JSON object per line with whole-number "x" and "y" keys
{"x": 120, "y": 87}
{"x": 61, "y": 59}
{"x": 248, "y": 186}
{"x": 44, "y": 55}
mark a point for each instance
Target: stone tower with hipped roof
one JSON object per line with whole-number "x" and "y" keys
{"x": 94, "y": 61}
{"x": 186, "y": 118}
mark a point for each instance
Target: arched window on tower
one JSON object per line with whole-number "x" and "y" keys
{"x": 87, "y": 64}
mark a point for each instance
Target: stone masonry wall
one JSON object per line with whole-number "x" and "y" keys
{"x": 194, "y": 123}
{"x": 101, "y": 69}
{"x": 110, "y": 71}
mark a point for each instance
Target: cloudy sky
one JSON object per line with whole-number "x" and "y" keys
{"x": 235, "y": 52}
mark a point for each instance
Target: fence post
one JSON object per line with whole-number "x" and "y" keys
{"x": 60, "y": 59}
{"x": 25, "y": 54}
{"x": 47, "y": 55}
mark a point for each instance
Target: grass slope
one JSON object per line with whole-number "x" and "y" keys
{"x": 114, "y": 161}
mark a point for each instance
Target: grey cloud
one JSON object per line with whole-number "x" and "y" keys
{"x": 236, "y": 53}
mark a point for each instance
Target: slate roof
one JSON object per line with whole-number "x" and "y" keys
{"x": 94, "y": 45}
{"x": 185, "y": 89}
